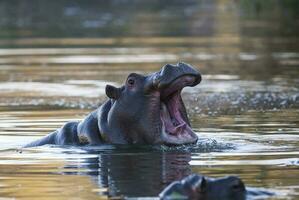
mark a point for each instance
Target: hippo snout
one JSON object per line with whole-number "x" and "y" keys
{"x": 169, "y": 73}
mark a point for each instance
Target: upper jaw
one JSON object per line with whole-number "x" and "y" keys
{"x": 168, "y": 75}
{"x": 177, "y": 85}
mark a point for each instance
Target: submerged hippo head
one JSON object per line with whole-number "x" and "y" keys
{"x": 197, "y": 187}
{"x": 149, "y": 109}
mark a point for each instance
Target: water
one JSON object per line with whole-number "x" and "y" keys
{"x": 55, "y": 63}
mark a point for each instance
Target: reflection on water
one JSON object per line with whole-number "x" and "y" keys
{"x": 260, "y": 150}
{"x": 56, "y": 58}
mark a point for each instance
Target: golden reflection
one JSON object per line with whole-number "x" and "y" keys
{"x": 120, "y": 41}
{"x": 35, "y": 174}
{"x": 39, "y": 182}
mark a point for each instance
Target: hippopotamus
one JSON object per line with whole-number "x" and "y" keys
{"x": 198, "y": 187}
{"x": 145, "y": 110}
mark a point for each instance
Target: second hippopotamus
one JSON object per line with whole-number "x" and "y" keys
{"x": 198, "y": 187}
{"x": 145, "y": 110}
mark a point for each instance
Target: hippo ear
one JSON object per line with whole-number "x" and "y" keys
{"x": 112, "y": 92}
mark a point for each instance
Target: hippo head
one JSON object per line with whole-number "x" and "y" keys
{"x": 197, "y": 187}
{"x": 149, "y": 109}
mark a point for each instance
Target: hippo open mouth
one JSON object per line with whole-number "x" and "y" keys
{"x": 145, "y": 110}
{"x": 176, "y": 128}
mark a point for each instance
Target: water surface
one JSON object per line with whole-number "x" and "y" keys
{"x": 55, "y": 63}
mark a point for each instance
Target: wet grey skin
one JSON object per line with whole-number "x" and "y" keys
{"x": 198, "y": 187}
{"x": 145, "y": 110}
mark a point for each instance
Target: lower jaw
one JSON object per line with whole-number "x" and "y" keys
{"x": 179, "y": 139}
{"x": 178, "y": 143}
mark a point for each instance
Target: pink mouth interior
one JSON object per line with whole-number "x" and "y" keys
{"x": 175, "y": 128}
{"x": 171, "y": 117}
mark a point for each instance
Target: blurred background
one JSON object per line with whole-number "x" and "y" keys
{"x": 62, "y": 46}
{"x": 57, "y": 56}
{"x": 72, "y": 48}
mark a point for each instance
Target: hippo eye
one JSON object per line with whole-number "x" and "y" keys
{"x": 131, "y": 81}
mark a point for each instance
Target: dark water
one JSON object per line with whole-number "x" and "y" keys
{"x": 57, "y": 57}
